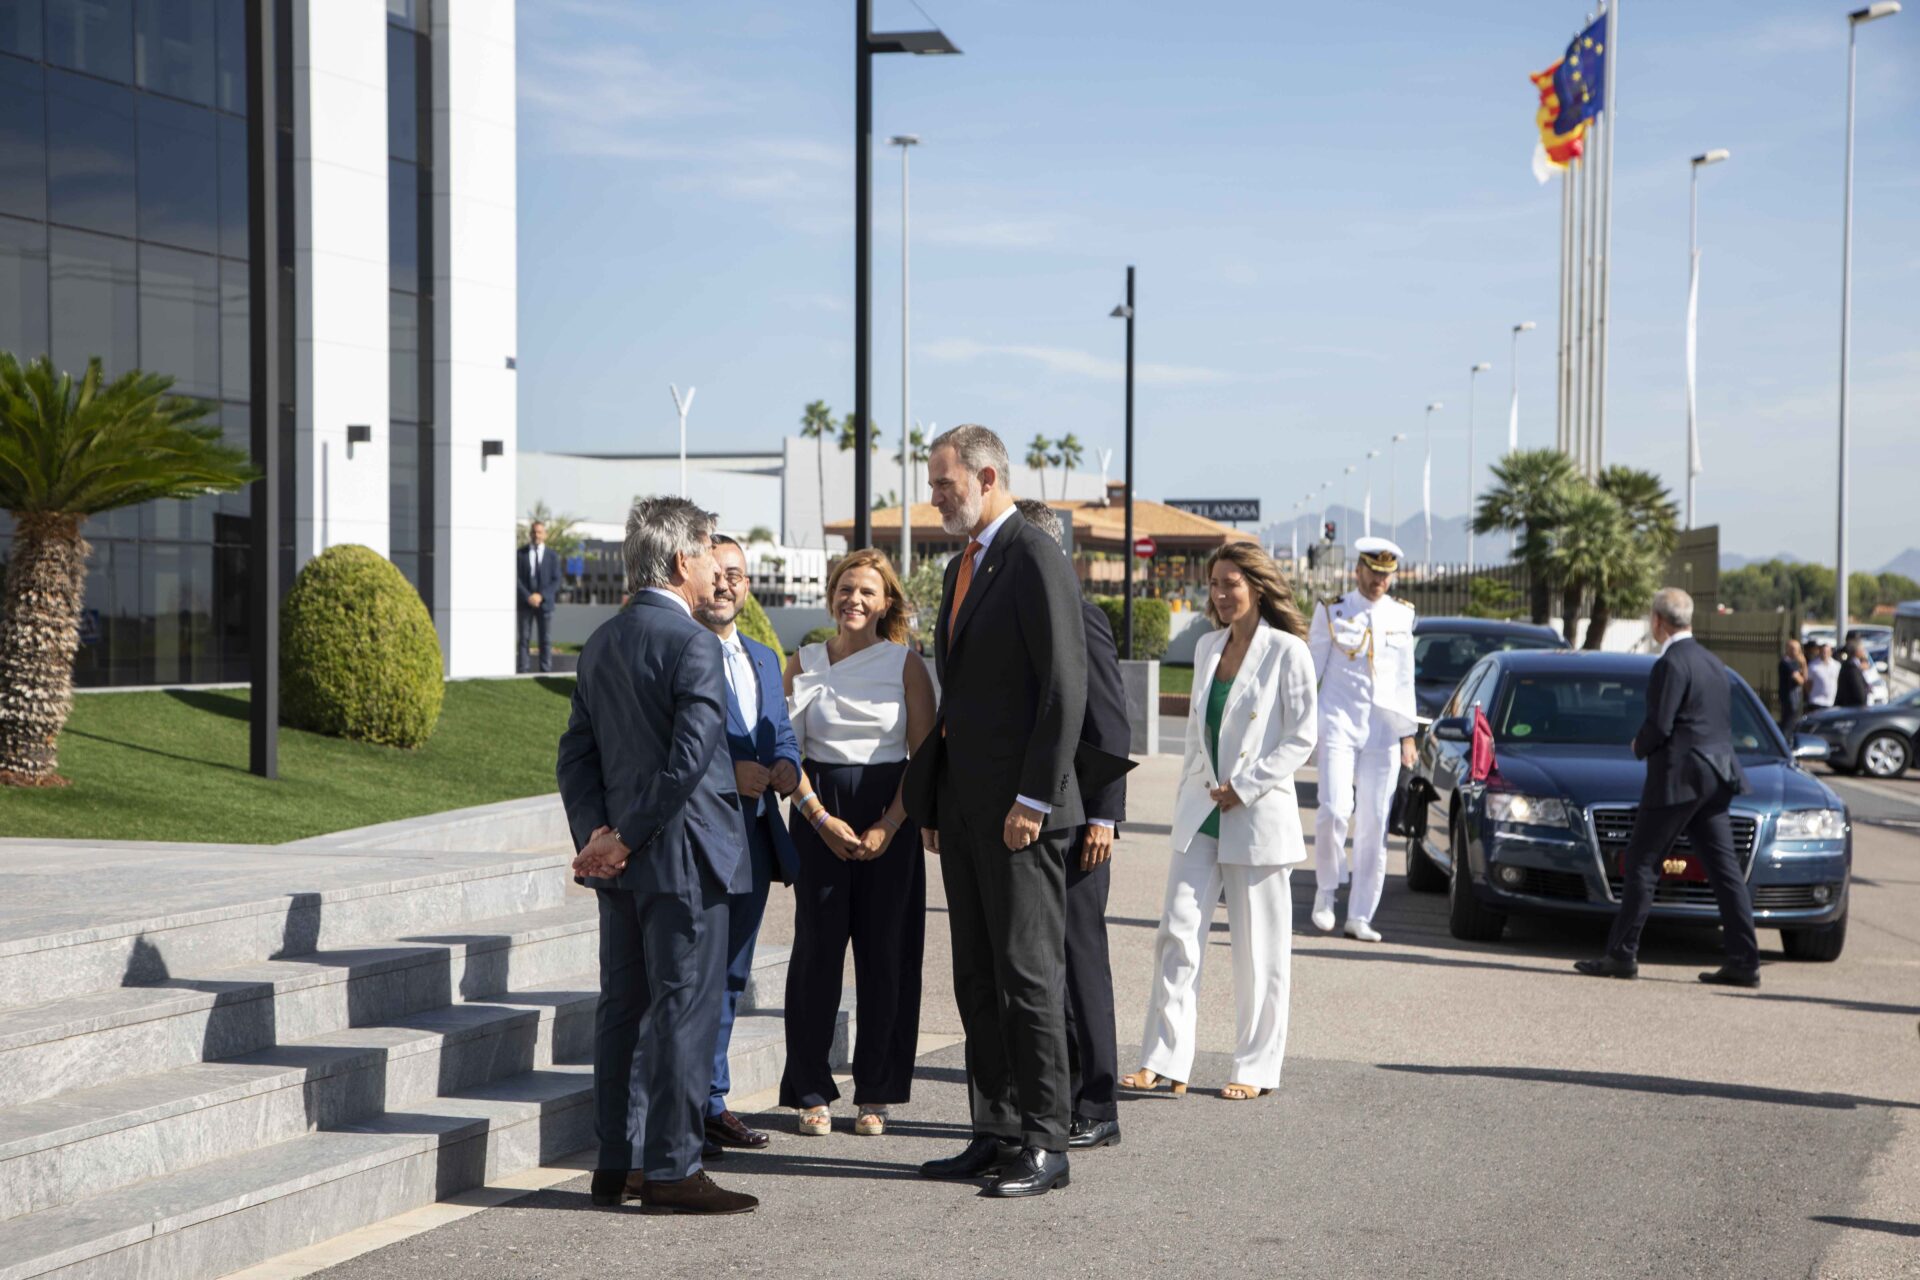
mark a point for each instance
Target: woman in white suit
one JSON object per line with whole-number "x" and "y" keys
{"x": 1236, "y": 823}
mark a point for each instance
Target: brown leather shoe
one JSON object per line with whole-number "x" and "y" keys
{"x": 728, "y": 1130}
{"x": 612, "y": 1187}
{"x": 697, "y": 1194}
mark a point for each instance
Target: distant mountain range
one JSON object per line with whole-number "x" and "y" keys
{"x": 1907, "y": 562}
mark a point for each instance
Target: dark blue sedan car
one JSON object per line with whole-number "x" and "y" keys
{"x": 1545, "y": 833}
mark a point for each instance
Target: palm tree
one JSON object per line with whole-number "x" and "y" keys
{"x": 759, "y": 533}
{"x": 68, "y": 451}
{"x": 1591, "y": 534}
{"x": 1528, "y": 495}
{"x": 1071, "y": 454}
{"x": 562, "y": 540}
{"x": 1654, "y": 522}
{"x": 916, "y": 443}
{"x": 816, "y": 420}
{"x": 1037, "y": 460}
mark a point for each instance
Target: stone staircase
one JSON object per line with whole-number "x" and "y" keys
{"x": 203, "y": 1074}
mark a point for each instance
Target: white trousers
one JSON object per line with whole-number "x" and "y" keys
{"x": 1260, "y": 929}
{"x": 1356, "y": 792}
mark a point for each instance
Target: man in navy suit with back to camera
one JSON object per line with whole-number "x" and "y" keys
{"x": 766, "y": 763}
{"x": 537, "y": 580}
{"x": 648, "y": 785}
{"x": 1693, "y": 774}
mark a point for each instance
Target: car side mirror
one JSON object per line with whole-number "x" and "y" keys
{"x": 1806, "y": 746}
{"x": 1454, "y": 729}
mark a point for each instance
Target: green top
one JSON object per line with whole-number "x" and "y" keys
{"x": 1216, "y": 709}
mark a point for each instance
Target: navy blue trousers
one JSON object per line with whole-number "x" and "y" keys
{"x": 744, "y": 912}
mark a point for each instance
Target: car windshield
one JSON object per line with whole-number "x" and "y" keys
{"x": 1601, "y": 710}
{"x": 1908, "y": 700}
{"x": 1446, "y": 656}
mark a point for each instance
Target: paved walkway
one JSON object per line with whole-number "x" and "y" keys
{"x": 1448, "y": 1109}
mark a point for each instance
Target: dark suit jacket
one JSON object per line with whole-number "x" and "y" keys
{"x": 767, "y": 739}
{"x": 1013, "y": 684}
{"x": 1106, "y": 725}
{"x": 1851, "y": 690}
{"x": 547, "y": 583}
{"x": 1687, "y": 737}
{"x": 645, "y": 750}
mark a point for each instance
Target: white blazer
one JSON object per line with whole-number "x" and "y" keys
{"x": 1267, "y": 732}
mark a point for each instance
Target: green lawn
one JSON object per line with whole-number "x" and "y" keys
{"x": 1176, "y": 679}
{"x": 173, "y": 766}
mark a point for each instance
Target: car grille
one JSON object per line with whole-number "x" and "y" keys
{"x": 1785, "y": 897}
{"x": 1565, "y": 885}
{"x": 1612, "y": 828}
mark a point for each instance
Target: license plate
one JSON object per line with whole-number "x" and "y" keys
{"x": 1675, "y": 866}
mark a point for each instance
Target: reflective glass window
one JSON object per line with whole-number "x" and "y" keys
{"x": 90, "y": 154}
{"x": 403, "y": 342}
{"x": 175, "y": 48}
{"x": 417, "y": 14}
{"x": 403, "y": 482}
{"x": 94, "y": 296}
{"x": 233, "y": 187}
{"x": 23, "y": 138}
{"x": 20, "y": 27}
{"x": 180, "y": 319}
{"x": 403, "y": 225}
{"x": 236, "y": 428}
{"x": 179, "y": 175}
{"x": 94, "y": 36}
{"x": 230, "y": 54}
{"x": 23, "y": 288}
{"x": 236, "y": 377}
{"x": 403, "y": 95}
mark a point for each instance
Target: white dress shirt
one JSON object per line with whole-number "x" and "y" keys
{"x": 985, "y": 539}
{"x": 741, "y": 681}
{"x": 1686, "y": 633}
{"x": 671, "y": 595}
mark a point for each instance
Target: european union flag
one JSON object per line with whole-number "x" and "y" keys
{"x": 1581, "y": 78}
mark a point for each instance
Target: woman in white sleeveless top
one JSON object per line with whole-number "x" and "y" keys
{"x": 859, "y": 703}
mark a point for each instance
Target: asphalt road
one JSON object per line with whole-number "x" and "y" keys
{"x": 1447, "y": 1109}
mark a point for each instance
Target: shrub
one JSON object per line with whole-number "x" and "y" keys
{"x": 358, "y": 654}
{"x": 1152, "y": 624}
{"x": 819, "y": 635}
{"x": 754, "y": 623}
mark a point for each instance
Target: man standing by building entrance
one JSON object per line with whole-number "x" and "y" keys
{"x": 537, "y": 573}
{"x": 1362, "y": 647}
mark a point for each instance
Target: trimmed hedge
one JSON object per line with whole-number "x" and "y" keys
{"x": 819, "y": 635}
{"x": 358, "y": 655}
{"x": 754, "y": 623}
{"x": 1152, "y": 624}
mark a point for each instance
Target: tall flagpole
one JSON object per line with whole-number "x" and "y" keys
{"x": 1563, "y": 370}
{"x": 1581, "y": 182}
{"x": 1590, "y": 355}
{"x": 1609, "y": 106}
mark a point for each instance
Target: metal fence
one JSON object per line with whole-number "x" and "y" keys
{"x": 1749, "y": 643}
{"x": 1444, "y": 590}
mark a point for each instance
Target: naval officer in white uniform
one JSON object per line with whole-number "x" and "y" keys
{"x": 1362, "y": 646}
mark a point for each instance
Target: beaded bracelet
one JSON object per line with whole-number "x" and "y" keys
{"x": 820, "y": 819}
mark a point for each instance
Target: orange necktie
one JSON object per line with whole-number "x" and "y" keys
{"x": 960, "y": 586}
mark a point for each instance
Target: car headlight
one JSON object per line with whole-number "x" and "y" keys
{"x": 1812, "y": 824}
{"x": 1532, "y": 811}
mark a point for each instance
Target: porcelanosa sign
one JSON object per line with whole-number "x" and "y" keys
{"x": 1228, "y": 509}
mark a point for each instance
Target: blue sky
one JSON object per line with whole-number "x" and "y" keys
{"x": 1329, "y": 205}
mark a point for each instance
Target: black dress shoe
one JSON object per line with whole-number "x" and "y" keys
{"x": 613, "y": 1186}
{"x": 727, "y": 1130}
{"x": 1728, "y": 976}
{"x": 1035, "y": 1173}
{"x": 1084, "y": 1133}
{"x": 982, "y": 1156}
{"x": 711, "y": 1150}
{"x": 1608, "y": 967}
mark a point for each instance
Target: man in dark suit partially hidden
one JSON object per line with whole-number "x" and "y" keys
{"x": 537, "y": 581}
{"x": 1093, "y": 1056}
{"x": 999, "y": 799}
{"x": 1693, "y": 775}
{"x": 649, "y": 790}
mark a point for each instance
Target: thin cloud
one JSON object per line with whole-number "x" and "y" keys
{"x": 1077, "y": 363}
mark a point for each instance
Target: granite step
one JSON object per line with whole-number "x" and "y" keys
{"x": 84, "y": 916}
{"x": 78, "y": 1144}
{"x": 228, "y": 1214}
{"x": 94, "y": 1039}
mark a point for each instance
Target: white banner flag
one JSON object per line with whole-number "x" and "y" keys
{"x": 1366, "y": 512}
{"x": 1296, "y": 541}
{"x": 1513, "y": 419}
{"x": 1426, "y": 497}
{"x": 1693, "y": 334}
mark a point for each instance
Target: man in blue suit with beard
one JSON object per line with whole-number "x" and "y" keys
{"x": 651, "y": 800}
{"x": 766, "y": 764}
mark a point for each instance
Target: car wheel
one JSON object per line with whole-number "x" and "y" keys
{"x": 1886, "y": 755}
{"x": 1467, "y": 919}
{"x": 1822, "y": 942}
{"x": 1422, "y": 875}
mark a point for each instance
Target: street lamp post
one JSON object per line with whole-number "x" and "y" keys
{"x": 905, "y": 141}
{"x": 1393, "y": 485}
{"x": 1125, "y": 312}
{"x": 1872, "y": 13}
{"x": 1472, "y": 374}
{"x": 1426, "y": 482}
{"x": 1366, "y": 518}
{"x": 1694, "y": 167}
{"x": 866, "y": 43}
{"x": 683, "y": 406}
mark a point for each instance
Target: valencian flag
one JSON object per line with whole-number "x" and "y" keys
{"x": 1571, "y": 94}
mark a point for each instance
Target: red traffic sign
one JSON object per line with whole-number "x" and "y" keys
{"x": 1144, "y": 547}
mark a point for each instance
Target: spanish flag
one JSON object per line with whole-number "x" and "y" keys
{"x": 1555, "y": 150}
{"x": 1571, "y": 94}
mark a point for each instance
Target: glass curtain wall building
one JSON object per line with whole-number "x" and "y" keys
{"x": 123, "y": 235}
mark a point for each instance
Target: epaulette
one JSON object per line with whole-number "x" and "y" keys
{"x": 1403, "y": 600}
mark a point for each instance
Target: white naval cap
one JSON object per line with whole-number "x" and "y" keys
{"x": 1382, "y": 555}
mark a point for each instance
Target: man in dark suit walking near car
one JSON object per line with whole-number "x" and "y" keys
{"x": 648, "y": 786}
{"x": 999, "y": 798}
{"x": 537, "y": 580}
{"x": 1693, "y": 775}
{"x": 1093, "y": 1056}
